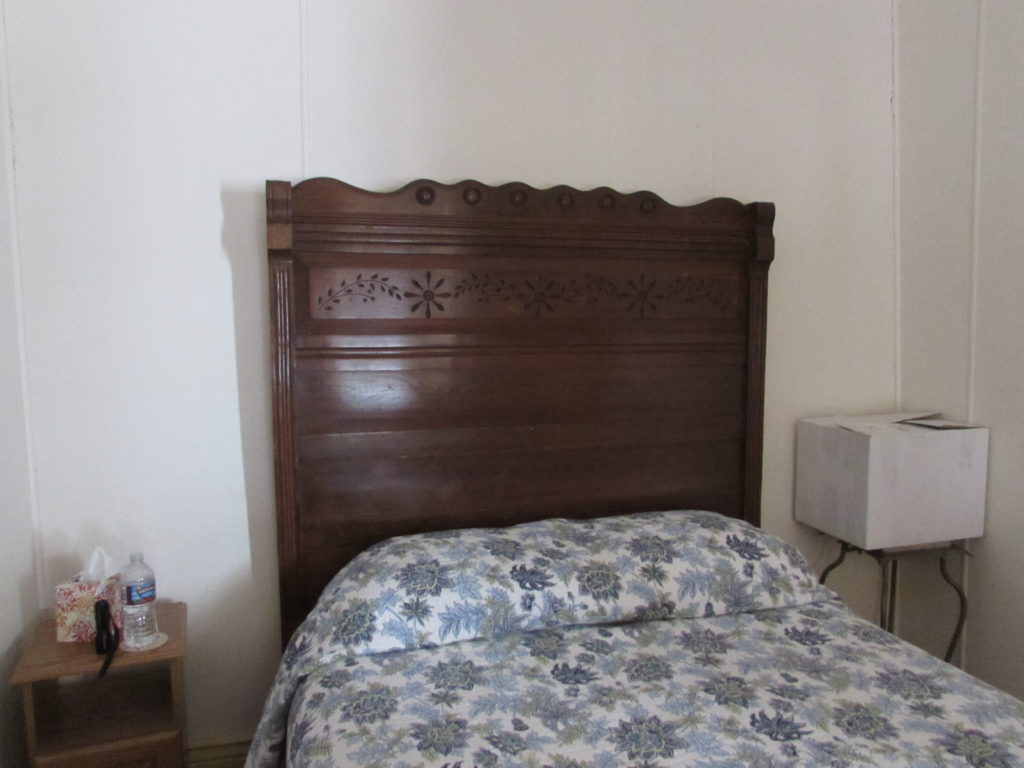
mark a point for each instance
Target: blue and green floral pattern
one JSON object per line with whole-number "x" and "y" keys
{"x": 676, "y": 638}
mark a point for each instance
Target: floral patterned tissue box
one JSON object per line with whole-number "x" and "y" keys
{"x": 76, "y": 606}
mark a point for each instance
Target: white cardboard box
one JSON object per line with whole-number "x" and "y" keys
{"x": 880, "y": 482}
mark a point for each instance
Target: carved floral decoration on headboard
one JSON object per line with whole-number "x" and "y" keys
{"x": 430, "y": 293}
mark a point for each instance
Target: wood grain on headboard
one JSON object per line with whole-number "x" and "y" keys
{"x": 448, "y": 356}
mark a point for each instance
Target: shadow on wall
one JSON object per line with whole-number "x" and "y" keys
{"x": 243, "y": 236}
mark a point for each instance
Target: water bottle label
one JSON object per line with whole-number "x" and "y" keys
{"x": 136, "y": 594}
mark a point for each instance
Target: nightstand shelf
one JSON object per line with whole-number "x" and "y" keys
{"x": 133, "y": 716}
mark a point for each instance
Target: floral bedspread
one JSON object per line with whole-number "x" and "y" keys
{"x": 674, "y": 638}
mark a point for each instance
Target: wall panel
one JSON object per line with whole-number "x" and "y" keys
{"x": 143, "y": 135}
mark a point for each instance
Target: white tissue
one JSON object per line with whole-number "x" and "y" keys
{"x": 100, "y": 567}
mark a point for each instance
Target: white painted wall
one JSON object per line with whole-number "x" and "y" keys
{"x": 995, "y": 643}
{"x": 142, "y": 135}
{"x": 18, "y": 598}
{"x": 962, "y": 322}
{"x": 936, "y": 87}
{"x": 937, "y": 82}
{"x": 803, "y": 116}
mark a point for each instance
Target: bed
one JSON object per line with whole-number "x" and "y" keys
{"x": 518, "y": 464}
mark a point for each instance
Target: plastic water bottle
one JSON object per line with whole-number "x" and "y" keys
{"x": 138, "y": 591}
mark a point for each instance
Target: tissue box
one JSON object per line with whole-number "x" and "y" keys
{"x": 895, "y": 480}
{"x": 76, "y": 607}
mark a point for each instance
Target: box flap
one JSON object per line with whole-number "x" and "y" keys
{"x": 935, "y": 423}
{"x": 879, "y": 422}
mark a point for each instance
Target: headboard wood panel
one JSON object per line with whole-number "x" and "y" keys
{"x": 449, "y": 356}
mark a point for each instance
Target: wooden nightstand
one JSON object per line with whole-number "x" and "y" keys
{"x": 133, "y": 717}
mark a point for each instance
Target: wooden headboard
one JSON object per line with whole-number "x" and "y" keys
{"x": 450, "y": 356}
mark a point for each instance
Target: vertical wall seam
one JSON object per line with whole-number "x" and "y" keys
{"x": 714, "y": 102}
{"x": 972, "y": 311}
{"x": 303, "y": 89}
{"x": 972, "y": 296}
{"x": 897, "y": 224}
{"x": 14, "y": 240}
{"x": 897, "y": 240}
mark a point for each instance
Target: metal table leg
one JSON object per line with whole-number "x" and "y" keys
{"x": 888, "y": 562}
{"x": 962, "y": 616}
{"x": 844, "y": 548}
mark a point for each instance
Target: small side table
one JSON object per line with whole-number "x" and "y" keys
{"x": 133, "y": 716}
{"x": 888, "y": 561}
